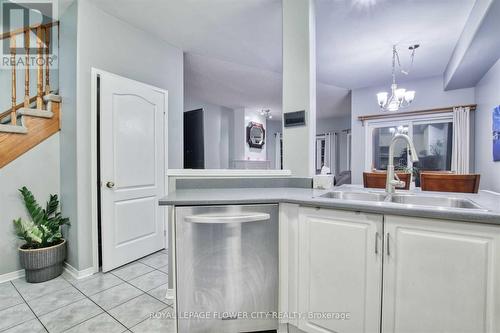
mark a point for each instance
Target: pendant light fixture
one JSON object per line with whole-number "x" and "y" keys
{"x": 400, "y": 97}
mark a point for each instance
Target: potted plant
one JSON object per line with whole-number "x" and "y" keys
{"x": 43, "y": 254}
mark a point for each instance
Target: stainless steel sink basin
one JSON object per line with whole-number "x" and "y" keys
{"x": 361, "y": 196}
{"x": 434, "y": 201}
{"x": 405, "y": 199}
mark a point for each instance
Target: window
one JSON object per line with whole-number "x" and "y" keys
{"x": 382, "y": 137}
{"x": 432, "y": 137}
{"x": 433, "y": 143}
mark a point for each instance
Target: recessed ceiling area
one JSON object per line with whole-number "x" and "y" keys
{"x": 233, "y": 48}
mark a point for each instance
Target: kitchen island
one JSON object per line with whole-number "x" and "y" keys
{"x": 357, "y": 260}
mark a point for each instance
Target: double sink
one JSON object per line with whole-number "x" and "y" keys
{"x": 406, "y": 199}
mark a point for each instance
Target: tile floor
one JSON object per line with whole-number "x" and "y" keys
{"x": 119, "y": 301}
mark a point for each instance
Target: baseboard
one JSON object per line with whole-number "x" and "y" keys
{"x": 73, "y": 272}
{"x": 76, "y": 274}
{"x": 283, "y": 328}
{"x": 11, "y": 276}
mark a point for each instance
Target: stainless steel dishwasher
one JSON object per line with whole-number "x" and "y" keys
{"x": 227, "y": 268}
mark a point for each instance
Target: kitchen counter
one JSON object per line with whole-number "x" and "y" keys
{"x": 489, "y": 201}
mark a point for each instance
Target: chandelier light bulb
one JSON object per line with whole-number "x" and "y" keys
{"x": 400, "y": 94}
{"x": 382, "y": 98}
{"x": 266, "y": 113}
{"x": 409, "y": 96}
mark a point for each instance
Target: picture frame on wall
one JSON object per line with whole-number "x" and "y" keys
{"x": 496, "y": 134}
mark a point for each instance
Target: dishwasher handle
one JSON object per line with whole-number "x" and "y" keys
{"x": 222, "y": 218}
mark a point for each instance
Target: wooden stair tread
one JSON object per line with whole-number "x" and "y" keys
{"x": 13, "y": 145}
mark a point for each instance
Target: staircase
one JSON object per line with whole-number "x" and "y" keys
{"x": 24, "y": 125}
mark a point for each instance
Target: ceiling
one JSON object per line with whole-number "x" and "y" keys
{"x": 238, "y": 86}
{"x": 355, "y": 38}
{"x": 234, "y": 52}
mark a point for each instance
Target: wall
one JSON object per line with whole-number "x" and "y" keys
{"x": 487, "y": 97}
{"x": 68, "y": 173}
{"x": 38, "y": 170}
{"x": 218, "y": 128}
{"x": 109, "y": 44}
{"x": 429, "y": 94}
{"x": 272, "y": 127}
{"x": 333, "y": 124}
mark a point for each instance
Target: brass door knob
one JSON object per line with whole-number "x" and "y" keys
{"x": 110, "y": 184}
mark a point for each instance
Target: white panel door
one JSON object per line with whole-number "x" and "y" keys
{"x": 441, "y": 277}
{"x": 132, "y": 143}
{"x": 340, "y": 270}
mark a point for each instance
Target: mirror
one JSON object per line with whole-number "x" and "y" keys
{"x": 256, "y": 135}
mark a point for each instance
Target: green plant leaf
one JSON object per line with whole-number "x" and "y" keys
{"x": 44, "y": 227}
{"x": 52, "y": 205}
{"x": 34, "y": 210}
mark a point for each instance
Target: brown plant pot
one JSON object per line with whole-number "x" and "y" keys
{"x": 43, "y": 264}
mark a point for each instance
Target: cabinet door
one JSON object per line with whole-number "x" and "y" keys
{"x": 440, "y": 276}
{"x": 340, "y": 270}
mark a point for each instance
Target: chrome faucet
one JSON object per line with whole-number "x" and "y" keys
{"x": 392, "y": 180}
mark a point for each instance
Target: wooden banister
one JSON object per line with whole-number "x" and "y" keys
{"x": 43, "y": 35}
{"x": 27, "y": 69}
{"x": 47, "y": 58}
{"x": 13, "y": 115}
{"x": 20, "y": 31}
{"x": 39, "y": 64}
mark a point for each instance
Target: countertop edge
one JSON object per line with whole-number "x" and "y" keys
{"x": 463, "y": 215}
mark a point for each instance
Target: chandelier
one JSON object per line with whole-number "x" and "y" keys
{"x": 266, "y": 113}
{"x": 400, "y": 97}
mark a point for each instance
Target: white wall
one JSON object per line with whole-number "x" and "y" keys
{"x": 272, "y": 127}
{"x": 487, "y": 97}
{"x": 332, "y": 124}
{"x": 67, "y": 64}
{"x": 217, "y": 127}
{"x": 429, "y": 95}
{"x": 38, "y": 170}
{"x": 109, "y": 44}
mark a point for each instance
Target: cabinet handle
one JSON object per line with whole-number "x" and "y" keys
{"x": 388, "y": 246}
{"x": 376, "y": 242}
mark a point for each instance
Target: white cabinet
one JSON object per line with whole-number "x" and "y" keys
{"x": 440, "y": 276}
{"x": 340, "y": 270}
{"x": 437, "y": 275}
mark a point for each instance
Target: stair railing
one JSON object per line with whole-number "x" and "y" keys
{"x": 39, "y": 64}
{"x": 43, "y": 86}
{"x": 47, "y": 60}
{"x": 13, "y": 116}
{"x": 27, "y": 69}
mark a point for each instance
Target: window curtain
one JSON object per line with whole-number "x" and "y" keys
{"x": 461, "y": 140}
{"x": 277, "y": 151}
{"x": 330, "y": 151}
